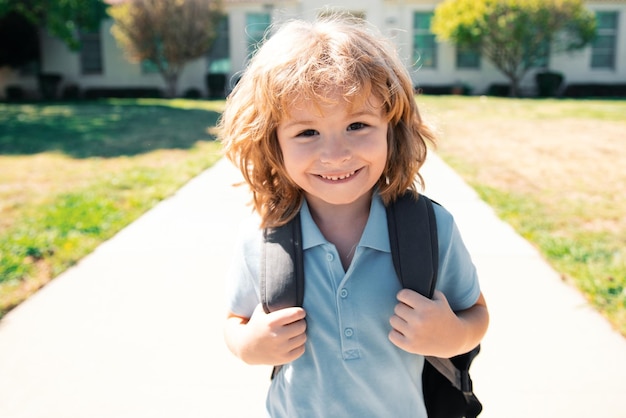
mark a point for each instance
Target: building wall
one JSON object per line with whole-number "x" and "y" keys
{"x": 393, "y": 17}
{"x": 577, "y": 66}
{"x": 117, "y": 70}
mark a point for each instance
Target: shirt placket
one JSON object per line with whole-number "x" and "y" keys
{"x": 346, "y": 319}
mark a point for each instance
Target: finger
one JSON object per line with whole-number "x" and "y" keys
{"x": 297, "y": 341}
{"x": 410, "y": 297}
{"x": 294, "y": 347}
{"x": 404, "y": 311}
{"x": 288, "y": 315}
{"x": 294, "y": 329}
{"x": 398, "y": 324}
{"x": 295, "y": 353}
{"x": 397, "y": 339}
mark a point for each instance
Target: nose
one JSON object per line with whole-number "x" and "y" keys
{"x": 335, "y": 150}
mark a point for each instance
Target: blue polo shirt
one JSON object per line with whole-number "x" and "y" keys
{"x": 350, "y": 368}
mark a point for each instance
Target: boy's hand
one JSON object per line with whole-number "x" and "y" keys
{"x": 426, "y": 326}
{"x": 275, "y": 338}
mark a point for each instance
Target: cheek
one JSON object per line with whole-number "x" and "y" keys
{"x": 292, "y": 159}
{"x": 382, "y": 151}
{"x": 382, "y": 161}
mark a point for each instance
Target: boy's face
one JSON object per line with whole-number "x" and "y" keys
{"x": 335, "y": 152}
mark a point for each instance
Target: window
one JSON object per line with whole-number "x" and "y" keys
{"x": 424, "y": 45}
{"x": 468, "y": 58}
{"x": 90, "y": 53}
{"x": 219, "y": 55}
{"x": 256, "y": 25}
{"x": 603, "y": 47}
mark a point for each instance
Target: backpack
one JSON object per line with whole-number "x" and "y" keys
{"x": 447, "y": 386}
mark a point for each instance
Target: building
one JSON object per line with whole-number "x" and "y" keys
{"x": 101, "y": 64}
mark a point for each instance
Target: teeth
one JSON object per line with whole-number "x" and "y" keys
{"x": 335, "y": 178}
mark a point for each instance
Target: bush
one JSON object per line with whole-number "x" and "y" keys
{"x": 192, "y": 93}
{"x": 216, "y": 85}
{"x": 444, "y": 89}
{"x": 70, "y": 92}
{"x": 548, "y": 83}
{"x": 123, "y": 92}
{"x": 49, "y": 85}
{"x": 499, "y": 90}
{"x": 14, "y": 93}
{"x": 594, "y": 90}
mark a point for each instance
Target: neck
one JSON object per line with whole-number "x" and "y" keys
{"x": 342, "y": 225}
{"x": 330, "y": 215}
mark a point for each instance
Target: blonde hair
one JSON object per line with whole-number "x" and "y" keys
{"x": 304, "y": 60}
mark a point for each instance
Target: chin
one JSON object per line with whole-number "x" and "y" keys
{"x": 340, "y": 199}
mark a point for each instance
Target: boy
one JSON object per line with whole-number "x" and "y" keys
{"x": 324, "y": 123}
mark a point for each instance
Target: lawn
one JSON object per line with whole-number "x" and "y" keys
{"x": 556, "y": 171}
{"x": 72, "y": 175}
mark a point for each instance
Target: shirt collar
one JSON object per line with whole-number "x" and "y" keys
{"x": 311, "y": 234}
{"x": 375, "y": 235}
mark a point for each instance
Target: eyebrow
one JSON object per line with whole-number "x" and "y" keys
{"x": 305, "y": 122}
{"x": 296, "y": 123}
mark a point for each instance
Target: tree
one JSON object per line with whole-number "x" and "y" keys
{"x": 515, "y": 35}
{"x": 63, "y": 18}
{"x": 168, "y": 33}
{"x": 19, "y": 41}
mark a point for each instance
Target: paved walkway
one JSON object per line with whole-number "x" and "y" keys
{"x": 134, "y": 330}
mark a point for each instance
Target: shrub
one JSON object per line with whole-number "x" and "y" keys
{"x": 192, "y": 93}
{"x": 577, "y": 90}
{"x": 14, "y": 93}
{"x": 216, "y": 85}
{"x": 548, "y": 83}
{"x": 70, "y": 92}
{"x": 444, "y": 89}
{"x": 499, "y": 90}
{"x": 123, "y": 92}
{"x": 49, "y": 85}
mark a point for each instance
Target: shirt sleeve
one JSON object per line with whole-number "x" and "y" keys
{"x": 457, "y": 276}
{"x": 242, "y": 286}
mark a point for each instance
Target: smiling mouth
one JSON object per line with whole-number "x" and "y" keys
{"x": 341, "y": 177}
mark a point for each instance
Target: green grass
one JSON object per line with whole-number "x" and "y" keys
{"x": 72, "y": 175}
{"x": 554, "y": 170}
{"x": 105, "y": 129}
{"x": 594, "y": 261}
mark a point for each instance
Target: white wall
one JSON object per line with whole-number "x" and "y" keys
{"x": 394, "y": 18}
{"x": 577, "y": 66}
{"x": 117, "y": 70}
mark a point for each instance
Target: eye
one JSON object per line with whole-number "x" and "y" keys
{"x": 307, "y": 132}
{"x": 356, "y": 126}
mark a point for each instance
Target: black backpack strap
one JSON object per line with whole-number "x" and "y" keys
{"x": 415, "y": 259}
{"x": 282, "y": 260}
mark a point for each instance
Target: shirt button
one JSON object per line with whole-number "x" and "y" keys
{"x": 329, "y": 257}
{"x": 348, "y": 332}
{"x": 343, "y": 293}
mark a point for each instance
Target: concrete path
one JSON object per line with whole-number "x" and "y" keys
{"x": 134, "y": 330}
